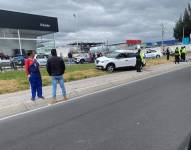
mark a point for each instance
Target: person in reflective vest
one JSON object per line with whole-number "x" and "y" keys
{"x": 177, "y": 55}
{"x": 34, "y": 76}
{"x": 184, "y": 53}
{"x": 139, "y": 60}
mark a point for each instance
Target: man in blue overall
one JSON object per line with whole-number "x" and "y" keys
{"x": 34, "y": 76}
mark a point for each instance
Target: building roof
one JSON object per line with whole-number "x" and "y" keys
{"x": 27, "y": 23}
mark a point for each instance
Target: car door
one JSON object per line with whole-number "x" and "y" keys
{"x": 131, "y": 59}
{"x": 121, "y": 60}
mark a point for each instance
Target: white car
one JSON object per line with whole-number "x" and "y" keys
{"x": 5, "y": 64}
{"x": 118, "y": 59}
{"x": 42, "y": 59}
{"x": 153, "y": 54}
{"x": 82, "y": 58}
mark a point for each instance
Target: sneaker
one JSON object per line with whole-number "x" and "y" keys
{"x": 41, "y": 97}
{"x": 65, "y": 98}
{"x": 32, "y": 99}
{"x": 52, "y": 101}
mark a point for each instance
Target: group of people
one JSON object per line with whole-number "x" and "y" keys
{"x": 55, "y": 68}
{"x": 180, "y": 54}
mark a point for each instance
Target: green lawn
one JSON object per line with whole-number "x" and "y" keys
{"x": 11, "y": 81}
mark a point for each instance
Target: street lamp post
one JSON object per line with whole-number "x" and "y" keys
{"x": 162, "y": 26}
{"x": 76, "y": 28}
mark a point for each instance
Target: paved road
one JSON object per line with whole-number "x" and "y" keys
{"x": 153, "y": 114}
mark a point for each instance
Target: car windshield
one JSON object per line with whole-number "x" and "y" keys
{"x": 113, "y": 55}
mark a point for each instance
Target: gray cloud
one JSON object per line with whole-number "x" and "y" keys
{"x": 110, "y": 20}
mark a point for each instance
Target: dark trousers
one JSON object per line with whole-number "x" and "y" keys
{"x": 183, "y": 56}
{"x": 138, "y": 65}
{"x": 36, "y": 85}
{"x": 177, "y": 59}
{"x": 168, "y": 56}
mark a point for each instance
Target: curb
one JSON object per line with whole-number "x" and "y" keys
{"x": 27, "y": 106}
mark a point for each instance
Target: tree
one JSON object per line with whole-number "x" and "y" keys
{"x": 183, "y": 24}
{"x": 178, "y": 30}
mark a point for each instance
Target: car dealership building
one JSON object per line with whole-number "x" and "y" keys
{"x": 20, "y": 32}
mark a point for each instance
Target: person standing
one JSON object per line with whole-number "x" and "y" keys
{"x": 34, "y": 76}
{"x": 139, "y": 61}
{"x": 184, "y": 53}
{"x": 70, "y": 57}
{"x": 56, "y": 68}
{"x": 181, "y": 54}
{"x": 168, "y": 53}
{"x": 177, "y": 55}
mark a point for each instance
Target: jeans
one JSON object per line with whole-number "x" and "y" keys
{"x": 70, "y": 60}
{"x": 60, "y": 80}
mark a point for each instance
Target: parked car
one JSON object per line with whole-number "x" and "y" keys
{"x": 153, "y": 54}
{"x": 42, "y": 59}
{"x": 19, "y": 60}
{"x": 5, "y": 63}
{"x": 117, "y": 59}
{"x": 82, "y": 58}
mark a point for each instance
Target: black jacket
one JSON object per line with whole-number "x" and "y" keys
{"x": 55, "y": 66}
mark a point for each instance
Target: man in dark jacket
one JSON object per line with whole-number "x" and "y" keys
{"x": 70, "y": 58}
{"x": 168, "y": 53}
{"x": 56, "y": 68}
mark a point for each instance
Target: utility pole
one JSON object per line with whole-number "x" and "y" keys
{"x": 162, "y": 26}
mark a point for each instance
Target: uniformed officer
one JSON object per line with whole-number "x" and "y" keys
{"x": 184, "y": 54}
{"x": 177, "y": 55}
{"x": 139, "y": 60}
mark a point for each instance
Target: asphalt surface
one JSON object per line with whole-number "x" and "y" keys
{"x": 152, "y": 114}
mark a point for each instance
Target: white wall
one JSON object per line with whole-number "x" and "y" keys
{"x": 7, "y": 46}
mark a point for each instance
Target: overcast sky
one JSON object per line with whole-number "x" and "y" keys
{"x": 101, "y": 20}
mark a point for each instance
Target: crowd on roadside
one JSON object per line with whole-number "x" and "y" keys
{"x": 55, "y": 68}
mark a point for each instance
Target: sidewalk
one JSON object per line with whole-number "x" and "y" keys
{"x": 20, "y": 101}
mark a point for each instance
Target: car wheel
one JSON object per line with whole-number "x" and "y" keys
{"x": 158, "y": 56}
{"x": 110, "y": 68}
{"x": 82, "y": 61}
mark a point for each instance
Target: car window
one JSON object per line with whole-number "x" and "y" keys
{"x": 113, "y": 55}
{"x": 122, "y": 55}
{"x": 40, "y": 57}
{"x": 131, "y": 55}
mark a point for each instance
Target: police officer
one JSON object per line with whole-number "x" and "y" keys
{"x": 177, "y": 55}
{"x": 183, "y": 54}
{"x": 139, "y": 61}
